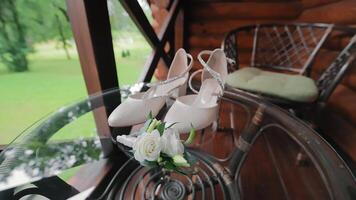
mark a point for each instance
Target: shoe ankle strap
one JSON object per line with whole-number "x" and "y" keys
{"x": 207, "y": 68}
{"x": 196, "y": 91}
{"x": 191, "y": 78}
{"x": 175, "y": 77}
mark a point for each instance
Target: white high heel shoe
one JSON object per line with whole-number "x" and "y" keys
{"x": 201, "y": 109}
{"x": 136, "y": 108}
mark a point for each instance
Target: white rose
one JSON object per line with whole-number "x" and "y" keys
{"x": 147, "y": 146}
{"x": 171, "y": 144}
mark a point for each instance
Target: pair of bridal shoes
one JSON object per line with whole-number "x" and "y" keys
{"x": 198, "y": 110}
{"x": 136, "y": 108}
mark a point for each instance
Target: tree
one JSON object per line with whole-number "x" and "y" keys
{"x": 46, "y": 21}
{"x": 26, "y": 22}
{"x": 61, "y": 28}
{"x": 13, "y": 46}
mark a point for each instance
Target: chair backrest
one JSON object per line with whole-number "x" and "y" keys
{"x": 336, "y": 71}
{"x": 289, "y": 47}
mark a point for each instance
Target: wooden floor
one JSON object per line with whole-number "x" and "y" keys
{"x": 270, "y": 170}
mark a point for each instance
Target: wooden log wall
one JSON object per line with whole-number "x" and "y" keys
{"x": 206, "y": 22}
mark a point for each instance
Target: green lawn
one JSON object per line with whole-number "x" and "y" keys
{"x": 54, "y": 81}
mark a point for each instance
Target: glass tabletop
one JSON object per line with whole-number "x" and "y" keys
{"x": 56, "y": 144}
{"x": 252, "y": 138}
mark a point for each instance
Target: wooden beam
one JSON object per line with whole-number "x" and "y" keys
{"x": 92, "y": 173}
{"x": 167, "y": 28}
{"x": 149, "y": 67}
{"x": 137, "y": 15}
{"x": 167, "y": 32}
{"x": 92, "y": 33}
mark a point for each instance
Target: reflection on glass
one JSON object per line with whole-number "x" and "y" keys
{"x": 68, "y": 173}
{"x": 27, "y": 162}
{"x": 60, "y": 142}
{"x": 83, "y": 127}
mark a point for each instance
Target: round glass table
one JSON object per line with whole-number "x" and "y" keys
{"x": 255, "y": 150}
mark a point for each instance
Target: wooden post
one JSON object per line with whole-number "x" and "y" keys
{"x": 92, "y": 33}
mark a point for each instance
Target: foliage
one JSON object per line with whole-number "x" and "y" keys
{"x": 42, "y": 18}
{"x": 25, "y": 22}
{"x": 13, "y": 47}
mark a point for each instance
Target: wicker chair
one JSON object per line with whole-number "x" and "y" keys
{"x": 264, "y": 54}
{"x": 325, "y": 84}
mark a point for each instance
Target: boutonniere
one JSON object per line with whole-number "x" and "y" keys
{"x": 159, "y": 145}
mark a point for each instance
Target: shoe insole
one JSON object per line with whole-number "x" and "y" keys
{"x": 208, "y": 92}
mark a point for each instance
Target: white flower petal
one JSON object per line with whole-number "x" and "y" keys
{"x": 171, "y": 144}
{"x": 126, "y": 140}
{"x": 139, "y": 157}
{"x": 147, "y": 146}
{"x": 155, "y": 133}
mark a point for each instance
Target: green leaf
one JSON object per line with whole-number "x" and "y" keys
{"x": 150, "y": 164}
{"x": 150, "y": 116}
{"x": 180, "y": 161}
{"x": 166, "y": 157}
{"x": 152, "y": 126}
{"x": 170, "y": 166}
{"x": 146, "y": 125}
{"x": 160, "y": 128}
{"x": 191, "y": 137}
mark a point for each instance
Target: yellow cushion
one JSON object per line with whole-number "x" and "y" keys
{"x": 291, "y": 87}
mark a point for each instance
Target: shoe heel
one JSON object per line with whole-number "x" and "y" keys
{"x": 169, "y": 101}
{"x": 182, "y": 91}
{"x": 179, "y": 91}
{"x": 172, "y": 96}
{"x": 214, "y": 126}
